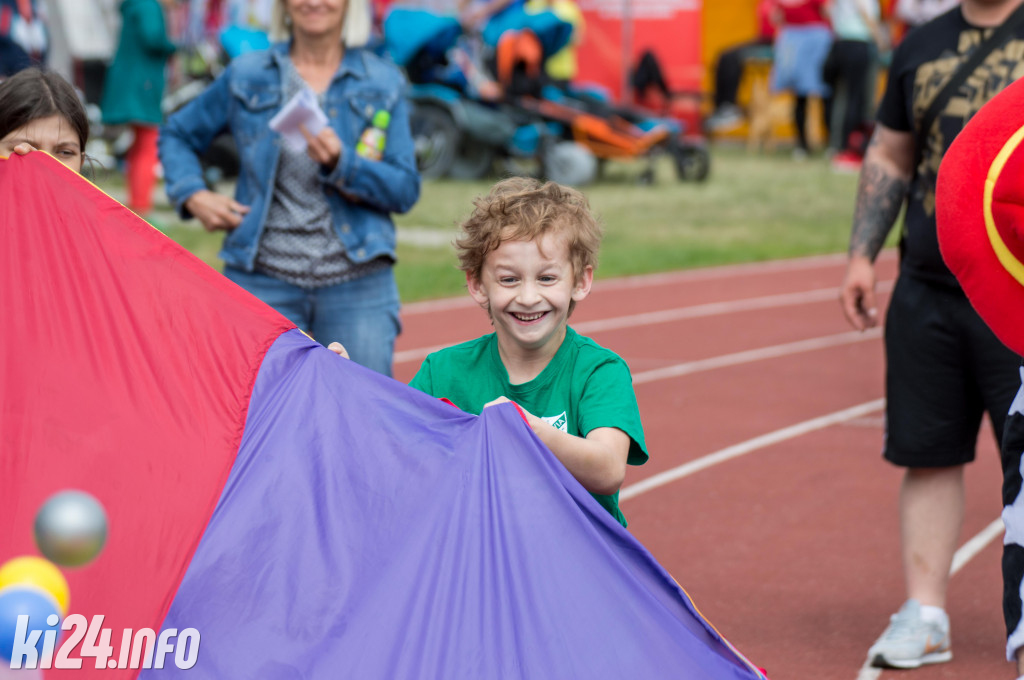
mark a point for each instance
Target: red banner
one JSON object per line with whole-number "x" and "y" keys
{"x": 617, "y": 32}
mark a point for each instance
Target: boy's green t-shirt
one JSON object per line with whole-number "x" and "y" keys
{"x": 584, "y": 387}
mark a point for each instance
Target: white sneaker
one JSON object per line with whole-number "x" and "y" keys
{"x": 727, "y": 117}
{"x": 910, "y": 641}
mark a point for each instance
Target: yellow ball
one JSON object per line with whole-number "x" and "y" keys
{"x": 38, "y": 572}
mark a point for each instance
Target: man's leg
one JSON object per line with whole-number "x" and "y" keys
{"x": 931, "y": 516}
{"x": 933, "y": 414}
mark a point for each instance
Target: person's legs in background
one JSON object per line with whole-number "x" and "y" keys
{"x": 856, "y": 62}
{"x": 728, "y": 75}
{"x": 847, "y": 72}
{"x": 141, "y": 161}
{"x": 361, "y": 314}
{"x": 800, "y": 54}
{"x": 800, "y": 121}
{"x": 292, "y": 302}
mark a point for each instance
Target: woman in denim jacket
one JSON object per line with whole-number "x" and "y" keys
{"x": 309, "y": 231}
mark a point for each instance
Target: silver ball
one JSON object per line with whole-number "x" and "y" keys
{"x": 71, "y": 528}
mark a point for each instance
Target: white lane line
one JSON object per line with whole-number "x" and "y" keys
{"x": 971, "y": 548}
{"x": 708, "y": 309}
{"x": 749, "y": 446}
{"x": 662, "y": 278}
{"x": 868, "y": 673}
{"x": 679, "y": 313}
{"x": 759, "y": 354}
{"x": 965, "y": 554}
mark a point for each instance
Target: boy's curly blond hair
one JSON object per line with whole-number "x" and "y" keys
{"x": 524, "y": 209}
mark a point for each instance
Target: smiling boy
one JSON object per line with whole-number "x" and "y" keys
{"x": 529, "y": 251}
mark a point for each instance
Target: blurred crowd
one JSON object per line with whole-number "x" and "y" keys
{"x": 830, "y": 49}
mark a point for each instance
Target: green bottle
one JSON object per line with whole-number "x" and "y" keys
{"x": 374, "y": 137}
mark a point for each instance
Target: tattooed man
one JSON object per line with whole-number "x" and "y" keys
{"x": 945, "y": 368}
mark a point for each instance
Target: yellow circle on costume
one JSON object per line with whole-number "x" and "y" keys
{"x": 38, "y": 572}
{"x": 1006, "y": 257}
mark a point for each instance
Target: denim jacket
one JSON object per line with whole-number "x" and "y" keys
{"x": 361, "y": 193}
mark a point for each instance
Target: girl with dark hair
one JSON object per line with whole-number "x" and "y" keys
{"x": 39, "y": 110}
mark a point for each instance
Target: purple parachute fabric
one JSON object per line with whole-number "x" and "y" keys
{"x": 370, "y": 531}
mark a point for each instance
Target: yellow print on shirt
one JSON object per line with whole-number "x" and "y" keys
{"x": 1003, "y": 66}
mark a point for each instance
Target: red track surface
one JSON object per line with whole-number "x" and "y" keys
{"x": 792, "y": 549}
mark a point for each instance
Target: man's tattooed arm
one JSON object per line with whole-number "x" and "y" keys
{"x": 883, "y": 186}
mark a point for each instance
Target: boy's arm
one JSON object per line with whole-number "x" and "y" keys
{"x": 597, "y": 461}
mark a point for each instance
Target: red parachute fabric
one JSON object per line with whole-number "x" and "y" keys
{"x": 105, "y": 380}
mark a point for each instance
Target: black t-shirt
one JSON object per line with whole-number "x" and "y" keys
{"x": 921, "y": 66}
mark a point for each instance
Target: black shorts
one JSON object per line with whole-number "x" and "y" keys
{"x": 944, "y": 369}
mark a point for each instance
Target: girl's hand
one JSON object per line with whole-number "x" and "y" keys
{"x": 24, "y": 148}
{"x": 325, "y": 148}
{"x": 215, "y": 211}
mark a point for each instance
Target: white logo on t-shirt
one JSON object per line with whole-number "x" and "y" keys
{"x": 559, "y": 422}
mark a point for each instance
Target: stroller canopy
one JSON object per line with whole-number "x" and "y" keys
{"x": 407, "y": 31}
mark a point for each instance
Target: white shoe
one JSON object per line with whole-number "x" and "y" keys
{"x": 910, "y": 641}
{"x": 727, "y": 117}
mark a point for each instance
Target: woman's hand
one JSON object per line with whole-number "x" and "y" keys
{"x": 215, "y": 211}
{"x": 325, "y": 148}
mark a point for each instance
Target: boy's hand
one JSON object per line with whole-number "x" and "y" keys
{"x": 527, "y": 416}
{"x": 338, "y": 349}
{"x": 597, "y": 461}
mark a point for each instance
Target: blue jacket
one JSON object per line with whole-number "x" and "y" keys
{"x": 361, "y": 193}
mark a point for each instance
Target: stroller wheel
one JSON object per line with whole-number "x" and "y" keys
{"x": 473, "y": 159}
{"x": 569, "y": 163}
{"x": 693, "y": 163}
{"x": 435, "y": 137}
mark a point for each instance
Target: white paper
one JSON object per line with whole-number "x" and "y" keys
{"x": 301, "y": 109}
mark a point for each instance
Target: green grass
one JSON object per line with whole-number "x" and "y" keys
{"x": 752, "y": 207}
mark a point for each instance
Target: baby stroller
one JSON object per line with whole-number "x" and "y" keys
{"x": 609, "y": 132}
{"x": 570, "y": 133}
{"x": 458, "y": 131}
